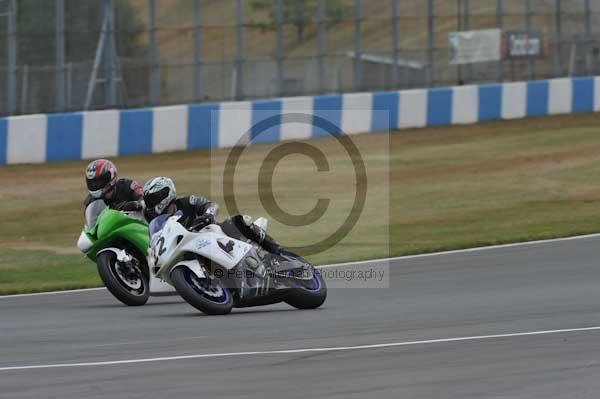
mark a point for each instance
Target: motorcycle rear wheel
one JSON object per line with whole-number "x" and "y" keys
{"x": 132, "y": 292}
{"x": 310, "y": 296}
{"x": 209, "y": 297}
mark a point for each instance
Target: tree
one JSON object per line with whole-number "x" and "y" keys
{"x": 36, "y": 30}
{"x": 300, "y": 13}
{"x": 36, "y": 44}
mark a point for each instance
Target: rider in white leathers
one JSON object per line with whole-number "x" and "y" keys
{"x": 160, "y": 197}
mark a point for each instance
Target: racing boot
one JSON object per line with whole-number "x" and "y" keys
{"x": 258, "y": 235}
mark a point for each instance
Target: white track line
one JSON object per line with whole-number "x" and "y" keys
{"x": 467, "y": 250}
{"x": 52, "y": 293}
{"x": 295, "y": 351}
{"x": 362, "y": 262}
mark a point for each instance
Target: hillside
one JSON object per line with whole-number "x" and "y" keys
{"x": 218, "y": 49}
{"x": 175, "y": 26}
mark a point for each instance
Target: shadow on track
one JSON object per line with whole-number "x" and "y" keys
{"x": 236, "y": 312}
{"x": 120, "y": 305}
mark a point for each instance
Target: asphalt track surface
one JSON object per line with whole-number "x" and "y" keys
{"x": 432, "y": 334}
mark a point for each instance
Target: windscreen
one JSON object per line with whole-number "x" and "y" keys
{"x": 92, "y": 212}
{"x": 159, "y": 222}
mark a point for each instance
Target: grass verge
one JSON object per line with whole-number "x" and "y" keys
{"x": 24, "y": 271}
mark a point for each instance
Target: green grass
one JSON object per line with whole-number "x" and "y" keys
{"x": 428, "y": 190}
{"x": 33, "y": 270}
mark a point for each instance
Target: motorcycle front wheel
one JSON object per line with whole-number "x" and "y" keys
{"x": 127, "y": 283}
{"x": 207, "y": 295}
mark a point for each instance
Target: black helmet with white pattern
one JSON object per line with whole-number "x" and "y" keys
{"x": 159, "y": 193}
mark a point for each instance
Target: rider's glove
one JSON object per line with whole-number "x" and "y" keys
{"x": 132, "y": 206}
{"x": 204, "y": 220}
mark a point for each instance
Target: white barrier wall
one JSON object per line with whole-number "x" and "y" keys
{"x": 58, "y": 137}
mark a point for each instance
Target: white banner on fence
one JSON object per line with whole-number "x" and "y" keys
{"x": 475, "y": 46}
{"x": 523, "y": 44}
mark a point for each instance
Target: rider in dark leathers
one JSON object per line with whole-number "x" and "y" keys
{"x": 103, "y": 184}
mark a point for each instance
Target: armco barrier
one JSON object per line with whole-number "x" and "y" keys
{"x": 82, "y": 135}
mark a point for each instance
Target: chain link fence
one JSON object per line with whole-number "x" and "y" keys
{"x": 64, "y": 55}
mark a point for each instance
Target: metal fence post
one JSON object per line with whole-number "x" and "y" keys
{"x": 467, "y": 26}
{"x": 100, "y": 50}
{"x": 588, "y": 36}
{"x": 321, "y": 44}
{"x": 12, "y": 58}
{"x": 279, "y": 50}
{"x": 358, "y": 83}
{"x": 430, "y": 43}
{"x": 24, "y": 88}
{"x": 197, "y": 56}
{"x": 60, "y": 54}
{"x": 395, "y": 44}
{"x": 558, "y": 63}
{"x": 153, "y": 55}
{"x": 109, "y": 55}
{"x": 239, "y": 60}
{"x": 299, "y": 19}
{"x": 528, "y": 15}
{"x": 500, "y": 23}
{"x": 69, "y": 85}
{"x": 459, "y": 27}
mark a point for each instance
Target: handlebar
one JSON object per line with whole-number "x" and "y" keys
{"x": 202, "y": 222}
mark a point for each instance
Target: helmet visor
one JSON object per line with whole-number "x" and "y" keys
{"x": 98, "y": 183}
{"x": 153, "y": 199}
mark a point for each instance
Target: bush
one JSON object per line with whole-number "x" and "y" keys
{"x": 300, "y": 13}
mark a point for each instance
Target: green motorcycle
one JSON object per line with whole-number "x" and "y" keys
{"x": 118, "y": 243}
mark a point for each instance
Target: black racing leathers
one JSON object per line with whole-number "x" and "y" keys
{"x": 126, "y": 196}
{"x": 196, "y": 208}
{"x": 239, "y": 228}
{"x": 191, "y": 207}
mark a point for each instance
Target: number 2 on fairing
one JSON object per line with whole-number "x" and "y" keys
{"x": 161, "y": 249}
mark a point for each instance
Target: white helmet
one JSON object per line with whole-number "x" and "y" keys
{"x": 159, "y": 193}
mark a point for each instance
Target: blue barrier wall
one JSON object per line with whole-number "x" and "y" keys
{"x": 83, "y": 135}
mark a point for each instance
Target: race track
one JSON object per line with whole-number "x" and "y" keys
{"x": 456, "y": 303}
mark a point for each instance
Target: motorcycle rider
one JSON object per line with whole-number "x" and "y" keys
{"x": 103, "y": 184}
{"x": 160, "y": 197}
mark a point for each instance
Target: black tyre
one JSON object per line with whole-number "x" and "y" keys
{"x": 206, "y": 295}
{"x": 129, "y": 286}
{"x": 309, "y": 294}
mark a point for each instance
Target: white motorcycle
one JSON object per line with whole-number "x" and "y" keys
{"x": 214, "y": 272}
